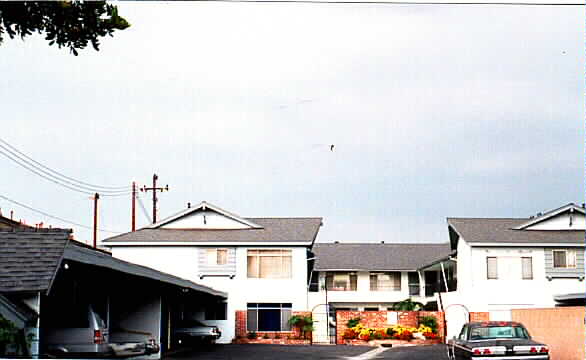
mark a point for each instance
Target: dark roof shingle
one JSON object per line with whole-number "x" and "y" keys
{"x": 273, "y": 230}
{"x": 377, "y": 257}
{"x": 29, "y": 259}
{"x": 487, "y": 230}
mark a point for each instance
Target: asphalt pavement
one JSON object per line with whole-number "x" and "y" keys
{"x": 318, "y": 352}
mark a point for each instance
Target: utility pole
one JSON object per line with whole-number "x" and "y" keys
{"x": 154, "y": 190}
{"x": 96, "y": 198}
{"x": 133, "y": 221}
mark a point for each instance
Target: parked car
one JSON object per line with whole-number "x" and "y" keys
{"x": 79, "y": 331}
{"x": 505, "y": 340}
{"x": 83, "y": 332}
{"x": 126, "y": 343}
{"x": 193, "y": 331}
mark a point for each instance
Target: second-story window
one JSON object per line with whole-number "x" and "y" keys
{"x": 564, "y": 259}
{"x": 527, "y": 268}
{"x": 341, "y": 281}
{"x": 385, "y": 281}
{"x": 269, "y": 264}
{"x": 491, "y": 268}
{"x": 217, "y": 256}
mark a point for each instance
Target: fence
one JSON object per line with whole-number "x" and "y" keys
{"x": 561, "y": 328}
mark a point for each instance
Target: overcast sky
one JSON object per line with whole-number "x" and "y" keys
{"x": 435, "y": 112}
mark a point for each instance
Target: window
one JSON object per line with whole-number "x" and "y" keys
{"x": 491, "y": 268}
{"x": 564, "y": 259}
{"x": 527, "y": 268}
{"x": 269, "y": 264}
{"x": 217, "y": 256}
{"x": 370, "y": 309}
{"x": 387, "y": 281}
{"x": 268, "y": 317}
{"x": 341, "y": 281}
{"x": 413, "y": 283}
{"x": 216, "y": 311}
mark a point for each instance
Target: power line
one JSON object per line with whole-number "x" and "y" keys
{"x": 144, "y": 210}
{"x": 67, "y": 184}
{"x": 56, "y": 217}
{"x": 36, "y": 167}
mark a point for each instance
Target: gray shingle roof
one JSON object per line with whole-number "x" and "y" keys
{"x": 273, "y": 230}
{"x": 376, "y": 257}
{"x": 29, "y": 259}
{"x": 478, "y": 230}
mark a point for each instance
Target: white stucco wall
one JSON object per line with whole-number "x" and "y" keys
{"x": 182, "y": 261}
{"x": 561, "y": 222}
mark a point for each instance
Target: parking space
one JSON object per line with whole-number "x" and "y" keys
{"x": 271, "y": 352}
{"x": 430, "y": 352}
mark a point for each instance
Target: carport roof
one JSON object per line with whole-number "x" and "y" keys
{"x": 376, "y": 256}
{"x": 81, "y": 253}
{"x": 30, "y": 258}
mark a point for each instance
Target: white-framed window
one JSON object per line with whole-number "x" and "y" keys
{"x": 527, "y": 268}
{"x": 217, "y": 256}
{"x": 269, "y": 264}
{"x": 385, "y": 281}
{"x": 491, "y": 268}
{"x": 341, "y": 281}
{"x": 268, "y": 316}
{"x": 564, "y": 259}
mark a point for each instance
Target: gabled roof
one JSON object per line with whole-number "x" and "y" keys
{"x": 571, "y": 207}
{"x": 279, "y": 231}
{"x": 203, "y": 206}
{"x": 502, "y": 231}
{"x": 29, "y": 260}
{"x": 376, "y": 256}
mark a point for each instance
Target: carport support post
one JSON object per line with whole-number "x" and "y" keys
{"x": 96, "y": 198}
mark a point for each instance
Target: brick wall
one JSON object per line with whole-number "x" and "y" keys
{"x": 240, "y": 323}
{"x": 561, "y": 328}
{"x": 441, "y": 321}
{"x": 241, "y": 330}
{"x": 378, "y": 319}
{"x": 479, "y": 316}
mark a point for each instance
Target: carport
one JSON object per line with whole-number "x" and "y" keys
{"x": 50, "y": 275}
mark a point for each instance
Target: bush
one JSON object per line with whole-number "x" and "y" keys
{"x": 353, "y": 322}
{"x": 251, "y": 335}
{"x": 390, "y": 332}
{"x": 277, "y": 336}
{"x": 429, "y": 321}
{"x": 349, "y": 334}
{"x": 405, "y": 335}
{"x": 266, "y": 336}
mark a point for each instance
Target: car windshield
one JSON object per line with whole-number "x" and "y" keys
{"x": 498, "y": 332}
{"x": 190, "y": 323}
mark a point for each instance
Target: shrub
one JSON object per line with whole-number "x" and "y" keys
{"x": 277, "y": 336}
{"x": 251, "y": 335}
{"x": 349, "y": 334}
{"x": 405, "y": 335}
{"x": 353, "y": 322}
{"x": 364, "y": 337}
{"x": 430, "y": 335}
{"x": 390, "y": 332}
{"x": 429, "y": 321}
{"x": 266, "y": 336}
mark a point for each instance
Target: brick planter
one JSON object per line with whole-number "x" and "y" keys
{"x": 272, "y": 341}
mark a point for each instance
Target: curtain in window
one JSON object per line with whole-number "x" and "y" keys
{"x": 527, "y": 265}
{"x": 559, "y": 259}
{"x": 491, "y": 268}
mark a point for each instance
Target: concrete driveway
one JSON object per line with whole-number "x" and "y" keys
{"x": 319, "y": 352}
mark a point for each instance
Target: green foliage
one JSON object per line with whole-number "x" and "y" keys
{"x": 9, "y": 334}
{"x": 251, "y": 335}
{"x": 429, "y": 321}
{"x": 303, "y": 323}
{"x": 71, "y": 24}
{"x": 353, "y": 322}
{"x": 407, "y": 305}
{"x": 266, "y": 336}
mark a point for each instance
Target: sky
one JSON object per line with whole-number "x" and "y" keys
{"x": 435, "y": 111}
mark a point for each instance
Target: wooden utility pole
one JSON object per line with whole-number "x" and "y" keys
{"x": 154, "y": 190}
{"x": 133, "y": 220}
{"x": 96, "y": 198}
